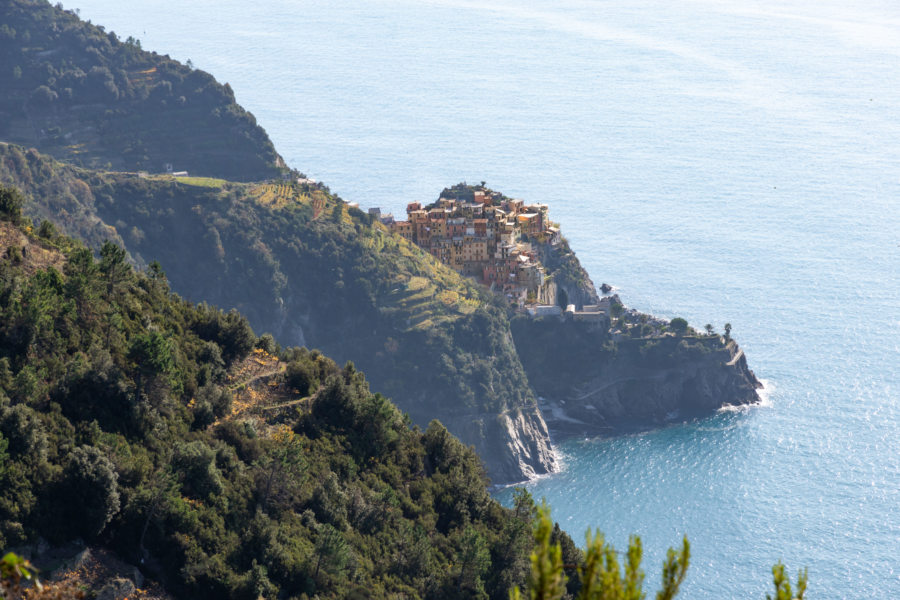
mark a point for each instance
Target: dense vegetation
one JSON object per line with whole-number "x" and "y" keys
{"x": 299, "y": 263}
{"x": 117, "y": 427}
{"x": 80, "y": 93}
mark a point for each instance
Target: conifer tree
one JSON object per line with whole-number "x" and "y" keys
{"x": 547, "y": 580}
{"x": 783, "y": 590}
{"x": 600, "y": 574}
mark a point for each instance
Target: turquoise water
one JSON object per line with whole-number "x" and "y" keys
{"x": 721, "y": 161}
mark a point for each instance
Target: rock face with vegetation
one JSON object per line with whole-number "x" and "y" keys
{"x": 590, "y": 384}
{"x": 570, "y": 283}
{"x": 77, "y": 91}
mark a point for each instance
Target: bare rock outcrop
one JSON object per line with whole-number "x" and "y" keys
{"x": 517, "y": 444}
{"x": 591, "y": 384}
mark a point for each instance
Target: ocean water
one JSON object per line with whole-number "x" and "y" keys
{"x": 718, "y": 160}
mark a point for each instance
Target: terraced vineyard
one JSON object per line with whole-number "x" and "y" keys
{"x": 277, "y": 195}
{"x": 280, "y": 195}
{"x": 425, "y": 305}
{"x": 260, "y": 388}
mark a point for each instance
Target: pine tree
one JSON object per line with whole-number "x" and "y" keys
{"x": 600, "y": 574}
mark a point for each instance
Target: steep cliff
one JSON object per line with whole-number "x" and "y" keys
{"x": 589, "y": 382}
{"x": 569, "y": 282}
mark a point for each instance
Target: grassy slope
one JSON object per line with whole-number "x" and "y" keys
{"x": 77, "y": 92}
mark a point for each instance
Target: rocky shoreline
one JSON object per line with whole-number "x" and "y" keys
{"x": 636, "y": 399}
{"x": 628, "y": 372}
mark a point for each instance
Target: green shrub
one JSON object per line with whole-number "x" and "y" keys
{"x": 86, "y": 498}
{"x": 11, "y": 203}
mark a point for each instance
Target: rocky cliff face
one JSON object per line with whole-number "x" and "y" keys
{"x": 589, "y": 385}
{"x": 628, "y": 395}
{"x": 513, "y": 439}
{"x": 517, "y": 442}
{"x": 569, "y": 283}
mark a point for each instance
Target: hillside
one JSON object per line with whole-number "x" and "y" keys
{"x": 305, "y": 267}
{"x": 76, "y": 91}
{"x": 302, "y": 266}
{"x": 169, "y": 434}
{"x": 300, "y": 263}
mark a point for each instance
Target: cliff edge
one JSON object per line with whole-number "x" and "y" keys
{"x": 594, "y": 382}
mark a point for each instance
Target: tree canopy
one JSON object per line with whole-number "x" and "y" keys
{"x": 79, "y": 92}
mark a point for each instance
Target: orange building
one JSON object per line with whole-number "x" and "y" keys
{"x": 403, "y": 229}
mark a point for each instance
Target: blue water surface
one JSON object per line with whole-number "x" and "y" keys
{"x": 719, "y": 160}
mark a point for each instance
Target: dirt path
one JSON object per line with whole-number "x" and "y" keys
{"x": 280, "y": 369}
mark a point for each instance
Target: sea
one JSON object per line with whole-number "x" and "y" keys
{"x": 720, "y": 160}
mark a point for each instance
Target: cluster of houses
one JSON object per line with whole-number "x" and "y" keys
{"x": 493, "y": 238}
{"x": 485, "y": 235}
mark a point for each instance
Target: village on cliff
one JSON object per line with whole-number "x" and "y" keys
{"x": 498, "y": 241}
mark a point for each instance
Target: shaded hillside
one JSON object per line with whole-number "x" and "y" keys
{"x": 79, "y": 93}
{"x": 301, "y": 265}
{"x": 227, "y": 467}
